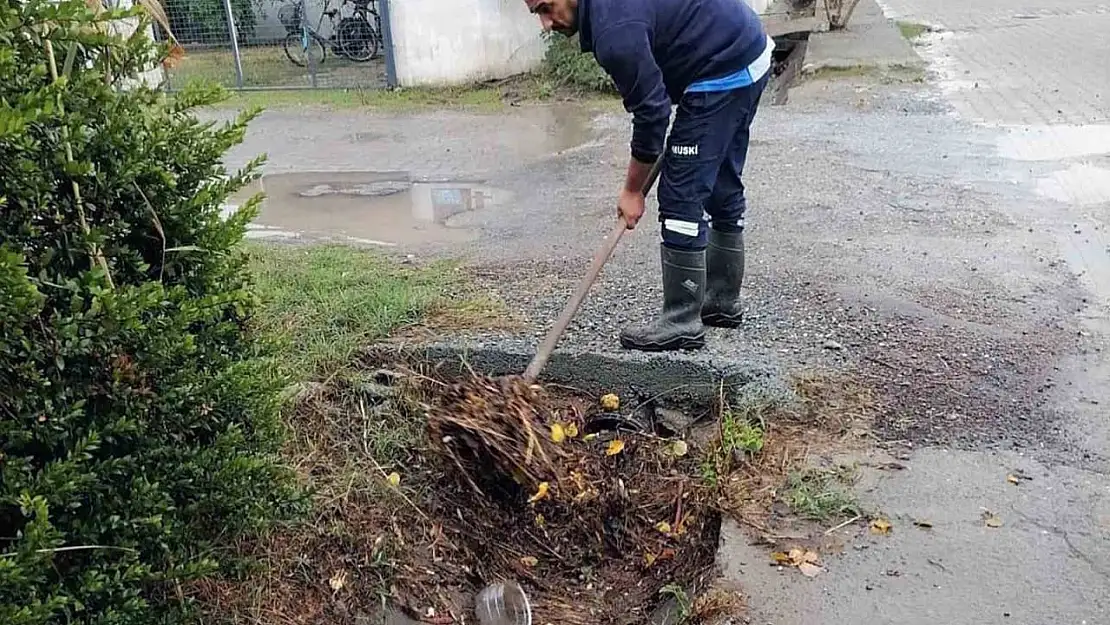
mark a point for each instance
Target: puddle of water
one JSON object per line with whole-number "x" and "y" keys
{"x": 382, "y": 208}
{"x": 1081, "y": 185}
{"x": 1053, "y": 143}
{"x": 529, "y": 132}
{"x": 546, "y": 129}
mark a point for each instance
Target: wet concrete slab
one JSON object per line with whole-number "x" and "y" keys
{"x": 871, "y": 40}
{"x": 1046, "y": 563}
{"x": 1054, "y": 142}
{"x": 371, "y": 208}
{"x": 1083, "y": 184}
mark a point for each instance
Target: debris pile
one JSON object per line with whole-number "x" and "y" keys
{"x": 594, "y": 524}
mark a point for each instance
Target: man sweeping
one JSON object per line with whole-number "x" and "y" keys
{"x": 710, "y": 58}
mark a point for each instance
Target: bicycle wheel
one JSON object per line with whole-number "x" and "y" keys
{"x": 357, "y": 40}
{"x": 299, "y": 53}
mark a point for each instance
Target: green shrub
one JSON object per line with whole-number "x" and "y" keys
{"x": 567, "y": 67}
{"x": 139, "y": 425}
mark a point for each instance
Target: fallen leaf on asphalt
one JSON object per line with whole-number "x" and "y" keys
{"x": 541, "y": 492}
{"x": 880, "y": 526}
{"x": 992, "y": 521}
{"x": 394, "y": 479}
{"x": 529, "y": 561}
{"x": 338, "y": 580}
{"x": 1013, "y": 479}
{"x": 679, "y": 449}
{"x": 615, "y": 447}
{"x": 558, "y": 433}
{"x": 803, "y": 559}
{"x": 809, "y": 570}
{"x": 610, "y": 402}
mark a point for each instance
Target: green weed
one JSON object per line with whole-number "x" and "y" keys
{"x": 822, "y": 494}
{"x": 324, "y": 303}
{"x": 684, "y": 607}
{"x": 567, "y": 67}
{"x": 912, "y": 30}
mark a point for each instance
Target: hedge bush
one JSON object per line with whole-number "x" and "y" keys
{"x": 567, "y": 67}
{"x": 205, "y": 21}
{"x": 139, "y": 425}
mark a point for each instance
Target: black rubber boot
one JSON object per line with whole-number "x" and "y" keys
{"x": 724, "y": 260}
{"x": 679, "y": 326}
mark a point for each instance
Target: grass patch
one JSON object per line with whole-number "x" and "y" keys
{"x": 389, "y": 100}
{"x": 566, "y": 73}
{"x": 268, "y": 66}
{"x": 912, "y": 30}
{"x": 822, "y": 494}
{"x": 323, "y": 303}
{"x": 742, "y": 431}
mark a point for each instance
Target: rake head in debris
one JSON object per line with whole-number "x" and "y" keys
{"x": 493, "y": 428}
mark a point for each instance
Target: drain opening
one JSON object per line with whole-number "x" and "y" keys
{"x": 786, "y": 63}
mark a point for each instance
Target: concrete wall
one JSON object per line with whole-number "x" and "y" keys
{"x": 440, "y": 42}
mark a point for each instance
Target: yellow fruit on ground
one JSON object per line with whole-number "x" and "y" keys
{"x": 610, "y": 402}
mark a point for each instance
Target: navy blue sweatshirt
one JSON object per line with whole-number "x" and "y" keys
{"x": 654, "y": 50}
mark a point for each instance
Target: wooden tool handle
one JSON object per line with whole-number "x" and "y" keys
{"x": 600, "y": 258}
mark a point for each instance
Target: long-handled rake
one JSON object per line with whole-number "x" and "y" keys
{"x": 600, "y": 258}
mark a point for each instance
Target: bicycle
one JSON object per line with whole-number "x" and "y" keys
{"x": 360, "y": 38}
{"x": 350, "y": 37}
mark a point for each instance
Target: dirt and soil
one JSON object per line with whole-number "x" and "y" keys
{"x": 427, "y": 488}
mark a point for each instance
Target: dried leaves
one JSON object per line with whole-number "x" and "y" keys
{"x": 678, "y": 448}
{"x": 491, "y": 427}
{"x": 881, "y": 526}
{"x": 807, "y": 562}
{"x": 576, "y": 486}
{"x": 558, "y": 433}
{"x": 990, "y": 519}
{"x": 610, "y": 403}
{"x": 541, "y": 492}
{"x": 338, "y": 580}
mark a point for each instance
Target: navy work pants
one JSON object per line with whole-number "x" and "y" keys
{"x": 703, "y": 166}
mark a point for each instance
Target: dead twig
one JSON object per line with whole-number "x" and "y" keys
{"x": 844, "y": 524}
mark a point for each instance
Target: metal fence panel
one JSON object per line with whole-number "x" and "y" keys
{"x": 268, "y": 44}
